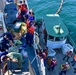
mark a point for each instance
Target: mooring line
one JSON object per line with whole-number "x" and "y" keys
{"x": 62, "y": 1}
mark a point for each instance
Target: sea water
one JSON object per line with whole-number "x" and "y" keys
{"x": 67, "y": 13}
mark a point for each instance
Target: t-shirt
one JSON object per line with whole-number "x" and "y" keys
{"x": 9, "y": 35}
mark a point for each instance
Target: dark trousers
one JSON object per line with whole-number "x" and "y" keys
{"x": 29, "y": 38}
{"x": 52, "y": 68}
{"x": 73, "y": 62}
{"x": 63, "y": 71}
{"x": 22, "y": 13}
{"x": 66, "y": 57}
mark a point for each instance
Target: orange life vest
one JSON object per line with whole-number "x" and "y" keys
{"x": 31, "y": 30}
{"x": 54, "y": 61}
{"x": 75, "y": 57}
{"x": 24, "y": 8}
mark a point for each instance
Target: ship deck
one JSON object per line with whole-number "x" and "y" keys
{"x": 11, "y": 11}
{"x": 59, "y": 56}
{"x": 31, "y": 55}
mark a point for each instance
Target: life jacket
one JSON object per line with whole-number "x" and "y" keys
{"x": 75, "y": 57}
{"x": 54, "y": 61}
{"x": 24, "y": 8}
{"x": 63, "y": 67}
{"x": 31, "y": 30}
{"x": 68, "y": 66}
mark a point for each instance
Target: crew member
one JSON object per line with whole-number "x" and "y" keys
{"x": 69, "y": 54}
{"x": 64, "y": 68}
{"x": 30, "y": 34}
{"x": 74, "y": 60}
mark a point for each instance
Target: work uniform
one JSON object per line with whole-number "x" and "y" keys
{"x": 23, "y": 11}
{"x": 30, "y": 35}
{"x": 5, "y": 44}
{"x": 7, "y": 40}
{"x": 64, "y": 68}
{"x": 52, "y": 63}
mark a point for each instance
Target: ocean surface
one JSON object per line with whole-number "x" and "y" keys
{"x": 67, "y": 13}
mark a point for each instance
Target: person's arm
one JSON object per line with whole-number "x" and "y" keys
{"x": 11, "y": 43}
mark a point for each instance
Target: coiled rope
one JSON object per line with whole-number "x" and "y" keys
{"x": 62, "y": 1}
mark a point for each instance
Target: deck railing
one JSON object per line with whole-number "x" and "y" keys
{"x": 72, "y": 42}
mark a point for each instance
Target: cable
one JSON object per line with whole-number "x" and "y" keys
{"x": 62, "y": 1}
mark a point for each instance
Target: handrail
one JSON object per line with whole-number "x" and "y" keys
{"x": 72, "y": 42}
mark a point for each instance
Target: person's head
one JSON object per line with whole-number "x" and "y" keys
{"x": 67, "y": 63}
{"x": 5, "y": 36}
{"x": 31, "y": 12}
{"x": 70, "y": 51}
{"x": 54, "y": 59}
{"x": 21, "y": 2}
{"x": 4, "y": 58}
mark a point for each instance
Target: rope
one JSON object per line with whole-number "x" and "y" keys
{"x": 60, "y": 7}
